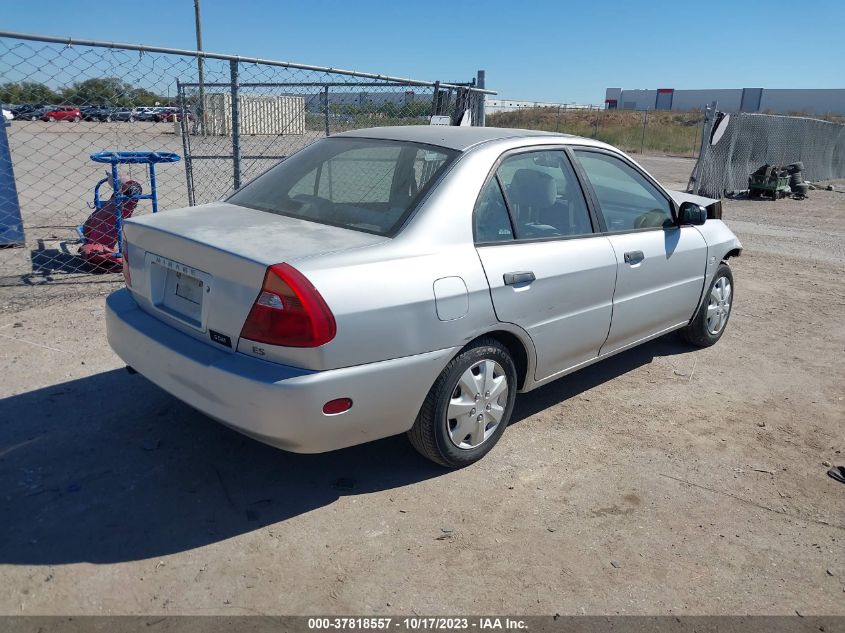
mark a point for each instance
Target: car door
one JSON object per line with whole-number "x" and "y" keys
{"x": 660, "y": 266}
{"x": 548, "y": 271}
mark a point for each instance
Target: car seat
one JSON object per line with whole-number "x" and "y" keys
{"x": 533, "y": 193}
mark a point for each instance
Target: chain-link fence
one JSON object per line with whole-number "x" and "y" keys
{"x": 749, "y": 141}
{"x": 73, "y": 98}
{"x": 637, "y": 131}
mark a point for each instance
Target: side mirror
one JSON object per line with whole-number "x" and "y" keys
{"x": 692, "y": 213}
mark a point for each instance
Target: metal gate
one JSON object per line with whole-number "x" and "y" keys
{"x": 233, "y": 131}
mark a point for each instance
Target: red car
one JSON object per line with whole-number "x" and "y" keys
{"x": 63, "y": 113}
{"x": 173, "y": 114}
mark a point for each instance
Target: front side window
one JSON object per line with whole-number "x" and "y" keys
{"x": 627, "y": 199}
{"x": 362, "y": 184}
{"x": 544, "y": 195}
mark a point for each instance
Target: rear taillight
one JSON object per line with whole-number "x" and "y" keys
{"x": 124, "y": 251}
{"x": 289, "y": 311}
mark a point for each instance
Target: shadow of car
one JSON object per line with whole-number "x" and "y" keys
{"x": 88, "y": 477}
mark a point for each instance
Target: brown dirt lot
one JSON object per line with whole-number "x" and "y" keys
{"x": 664, "y": 480}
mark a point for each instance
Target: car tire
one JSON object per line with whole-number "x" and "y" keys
{"x": 76, "y": 119}
{"x": 33, "y": 118}
{"x": 108, "y": 119}
{"x": 51, "y": 119}
{"x": 437, "y": 436}
{"x": 132, "y": 119}
{"x": 711, "y": 320}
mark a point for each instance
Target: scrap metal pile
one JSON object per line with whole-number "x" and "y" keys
{"x": 776, "y": 181}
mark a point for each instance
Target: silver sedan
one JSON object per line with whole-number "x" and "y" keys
{"x": 414, "y": 279}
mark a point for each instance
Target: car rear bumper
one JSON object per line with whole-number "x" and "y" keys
{"x": 276, "y": 404}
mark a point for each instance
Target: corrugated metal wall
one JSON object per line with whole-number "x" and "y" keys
{"x": 260, "y": 114}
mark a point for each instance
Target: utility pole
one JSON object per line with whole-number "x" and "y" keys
{"x": 200, "y": 69}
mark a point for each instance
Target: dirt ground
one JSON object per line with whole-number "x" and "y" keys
{"x": 664, "y": 480}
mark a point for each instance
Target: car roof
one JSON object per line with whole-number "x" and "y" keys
{"x": 453, "y": 137}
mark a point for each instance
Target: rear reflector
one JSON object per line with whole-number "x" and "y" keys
{"x": 289, "y": 311}
{"x": 333, "y": 407}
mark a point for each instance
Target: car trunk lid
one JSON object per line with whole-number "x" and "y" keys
{"x": 201, "y": 269}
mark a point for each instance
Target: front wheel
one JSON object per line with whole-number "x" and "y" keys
{"x": 709, "y": 323}
{"x": 468, "y": 407}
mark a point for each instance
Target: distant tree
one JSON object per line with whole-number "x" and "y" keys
{"x": 27, "y": 92}
{"x": 143, "y": 97}
{"x": 109, "y": 91}
{"x": 104, "y": 90}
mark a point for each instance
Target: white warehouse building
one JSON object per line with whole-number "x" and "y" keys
{"x": 771, "y": 100}
{"x": 494, "y": 106}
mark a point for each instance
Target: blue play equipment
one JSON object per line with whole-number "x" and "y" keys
{"x": 120, "y": 196}
{"x": 11, "y": 225}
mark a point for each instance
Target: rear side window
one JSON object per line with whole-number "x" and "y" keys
{"x": 492, "y": 223}
{"x": 544, "y": 195}
{"x": 363, "y": 184}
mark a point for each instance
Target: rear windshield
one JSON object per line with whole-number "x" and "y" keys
{"x": 362, "y": 184}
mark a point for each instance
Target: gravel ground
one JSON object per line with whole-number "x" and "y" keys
{"x": 664, "y": 480}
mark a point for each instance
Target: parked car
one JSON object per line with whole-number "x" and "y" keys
{"x": 414, "y": 279}
{"x": 118, "y": 114}
{"x": 62, "y": 113}
{"x": 30, "y": 112}
{"x": 93, "y": 113}
{"x": 175, "y": 114}
{"x": 168, "y": 114}
{"x": 25, "y": 111}
{"x": 144, "y": 114}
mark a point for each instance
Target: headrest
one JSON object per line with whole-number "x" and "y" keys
{"x": 533, "y": 188}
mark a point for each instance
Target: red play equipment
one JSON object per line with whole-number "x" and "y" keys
{"x": 101, "y": 233}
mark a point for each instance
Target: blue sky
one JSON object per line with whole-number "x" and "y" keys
{"x": 532, "y": 49}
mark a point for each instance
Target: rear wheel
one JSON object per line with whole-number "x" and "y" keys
{"x": 468, "y": 407}
{"x": 709, "y": 323}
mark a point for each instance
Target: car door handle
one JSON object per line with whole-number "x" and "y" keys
{"x": 520, "y": 277}
{"x": 634, "y": 257}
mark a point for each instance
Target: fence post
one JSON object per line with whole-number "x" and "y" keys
{"x": 236, "y": 126}
{"x": 435, "y": 99}
{"x": 186, "y": 150}
{"x": 557, "y": 123}
{"x": 481, "y": 82}
{"x": 326, "y": 105}
{"x": 695, "y": 140}
{"x": 706, "y": 129}
{"x": 596, "y": 124}
{"x": 645, "y": 125}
